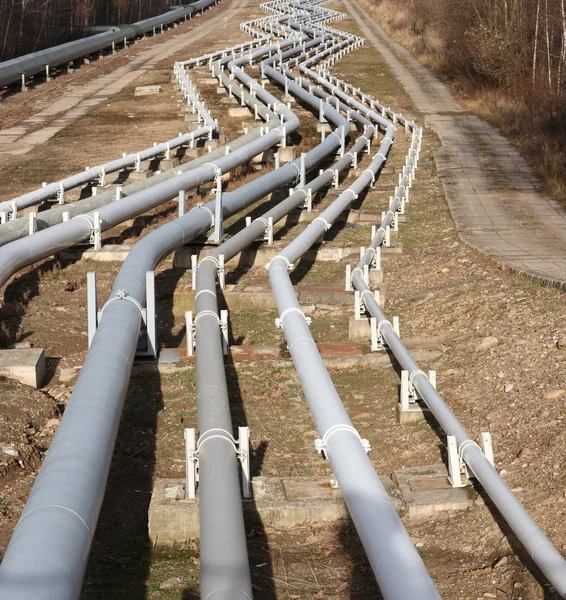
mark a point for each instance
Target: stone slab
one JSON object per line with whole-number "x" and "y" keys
{"x": 108, "y": 253}
{"x": 277, "y": 502}
{"x": 147, "y": 90}
{"x": 426, "y": 491}
{"x": 239, "y": 112}
{"x": 260, "y": 255}
{"x": 24, "y": 365}
{"x": 237, "y": 297}
{"x": 336, "y": 355}
{"x": 137, "y": 175}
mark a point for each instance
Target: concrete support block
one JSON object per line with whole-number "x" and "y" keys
{"x": 24, "y": 365}
{"x": 239, "y": 112}
{"x": 220, "y": 90}
{"x": 286, "y": 99}
{"x": 169, "y": 163}
{"x": 108, "y": 253}
{"x": 426, "y": 491}
{"x": 207, "y": 81}
{"x": 287, "y": 154}
{"x": 331, "y": 297}
{"x": 320, "y": 127}
{"x": 277, "y": 502}
{"x": 137, "y": 175}
{"x": 191, "y": 118}
{"x": 259, "y": 255}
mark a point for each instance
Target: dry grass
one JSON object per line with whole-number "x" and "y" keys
{"x": 534, "y": 120}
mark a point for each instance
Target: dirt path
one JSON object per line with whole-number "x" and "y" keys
{"x": 78, "y": 101}
{"x": 494, "y": 197}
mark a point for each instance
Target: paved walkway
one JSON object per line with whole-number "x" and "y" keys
{"x": 494, "y": 198}
{"x": 78, "y": 101}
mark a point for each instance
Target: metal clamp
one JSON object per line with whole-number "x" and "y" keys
{"x": 192, "y": 451}
{"x": 458, "y": 473}
{"x": 191, "y": 322}
{"x": 409, "y": 398}
{"x": 148, "y": 314}
{"x": 203, "y": 206}
{"x": 378, "y": 341}
{"x": 321, "y": 444}
{"x": 279, "y": 320}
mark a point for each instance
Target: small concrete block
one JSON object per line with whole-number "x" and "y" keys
{"x": 209, "y": 81}
{"x": 24, "y": 365}
{"x": 320, "y": 127}
{"x": 147, "y": 90}
{"x": 169, "y": 163}
{"x": 415, "y": 414}
{"x": 286, "y": 99}
{"x": 108, "y": 253}
{"x": 427, "y": 491}
{"x": 137, "y": 175}
{"x": 191, "y": 118}
{"x": 227, "y": 100}
{"x": 287, "y": 154}
{"x": 277, "y": 502}
{"x": 238, "y": 112}
{"x": 220, "y": 90}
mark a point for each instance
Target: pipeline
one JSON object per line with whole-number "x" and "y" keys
{"x": 17, "y": 69}
{"x": 387, "y": 544}
{"x": 540, "y": 549}
{"x": 47, "y": 554}
{"x": 47, "y": 242}
{"x": 57, "y": 189}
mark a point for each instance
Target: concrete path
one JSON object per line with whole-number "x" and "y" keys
{"x": 494, "y": 198}
{"x": 78, "y": 101}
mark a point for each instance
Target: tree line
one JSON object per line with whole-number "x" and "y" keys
{"x": 30, "y": 25}
{"x": 506, "y": 58}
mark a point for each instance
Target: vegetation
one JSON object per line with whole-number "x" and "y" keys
{"x": 30, "y": 25}
{"x": 505, "y": 58}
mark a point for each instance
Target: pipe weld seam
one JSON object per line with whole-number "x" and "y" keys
{"x": 55, "y": 506}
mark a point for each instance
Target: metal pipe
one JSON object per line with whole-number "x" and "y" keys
{"x": 11, "y": 71}
{"x": 543, "y": 553}
{"x": 47, "y": 555}
{"x": 93, "y": 173}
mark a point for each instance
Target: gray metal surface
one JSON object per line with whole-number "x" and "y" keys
{"x": 11, "y": 71}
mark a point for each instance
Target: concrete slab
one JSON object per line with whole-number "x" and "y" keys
{"x": 336, "y": 355}
{"x": 108, "y": 253}
{"x": 259, "y": 255}
{"x": 137, "y": 175}
{"x": 287, "y": 154}
{"x": 331, "y": 297}
{"x": 24, "y": 365}
{"x": 426, "y": 491}
{"x": 277, "y": 502}
{"x": 239, "y": 112}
